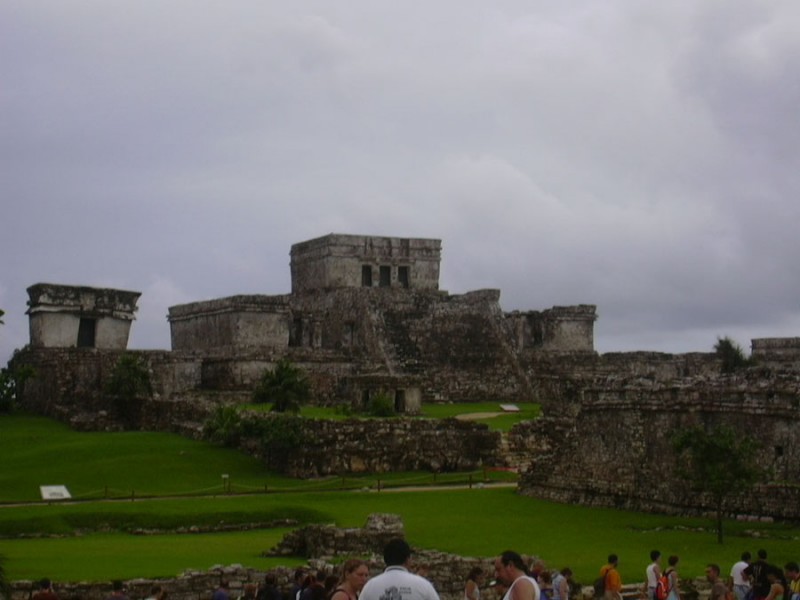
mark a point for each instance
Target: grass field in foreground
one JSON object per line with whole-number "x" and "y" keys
{"x": 478, "y": 522}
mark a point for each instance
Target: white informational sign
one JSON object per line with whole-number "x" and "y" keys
{"x": 54, "y": 492}
{"x": 509, "y": 407}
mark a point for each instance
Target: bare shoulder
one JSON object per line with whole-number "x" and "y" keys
{"x": 523, "y": 590}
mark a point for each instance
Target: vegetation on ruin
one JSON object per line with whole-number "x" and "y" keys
{"x": 286, "y": 387}
{"x": 11, "y": 380}
{"x": 717, "y": 461}
{"x": 731, "y": 355}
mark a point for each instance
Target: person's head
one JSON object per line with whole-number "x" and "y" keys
{"x": 155, "y": 591}
{"x": 545, "y": 578}
{"x": 537, "y": 566}
{"x": 746, "y": 556}
{"x": 673, "y": 560}
{"x": 299, "y": 575}
{"x": 792, "y": 570}
{"x": 762, "y": 554}
{"x": 475, "y": 574}
{"x": 223, "y": 584}
{"x": 566, "y": 572}
{"x": 355, "y": 573}
{"x": 250, "y": 590}
{"x": 508, "y": 566}
{"x": 270, "y": 579}
{"x": 774, "y": 574}
{"x": 45, "y": 584}
{"x": 613, "y": 559}
{"x": 396, "y": 552}
{"x": 117, "y": 586}
{"x": 655, "y": 555}
{"x": 712, "y": 572}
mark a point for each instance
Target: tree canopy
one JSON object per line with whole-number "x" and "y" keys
{"x": 717, "y": 461}
{"x": 286, "y": 387}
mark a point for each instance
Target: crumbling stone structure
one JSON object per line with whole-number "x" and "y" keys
{"x": 338, "y": 261}
{"x": 63, "y": 316}
{"x": 372, "y": 307}
{"x": 366, "y": 316}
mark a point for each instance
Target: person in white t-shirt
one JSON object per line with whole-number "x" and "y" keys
{"x": 653, "y": 572}
{"x": 510, "y": 570}
{"x": 740, "y": 583}
{"x": 396, "y": 582}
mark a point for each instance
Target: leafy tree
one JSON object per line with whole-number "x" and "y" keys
{"x": 128, "y": 386}
{"x": 278, "y": 435}
{"x": 286, "y": 387}
{"x": 224, "y": 426}
{"x": 719, "y": 462}
{"x": 11, "y": 381}
{"x": 381, "y": 405}
{"x": 731, "y": 355}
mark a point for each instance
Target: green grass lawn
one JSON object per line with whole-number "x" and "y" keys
{"x": 472, "y": 522}
{"x": 502, "y": 422}
{"x": 38, "y": 451}
{"x": 478, "y": 522}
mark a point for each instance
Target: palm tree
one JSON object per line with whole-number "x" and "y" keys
{"x": 286, "y": 387}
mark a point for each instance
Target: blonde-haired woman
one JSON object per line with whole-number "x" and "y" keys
{"x": 354, "y": 575}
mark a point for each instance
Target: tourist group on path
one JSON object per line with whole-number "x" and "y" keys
{"x": 749, "y": 580}
{"x": 514, "y": 580}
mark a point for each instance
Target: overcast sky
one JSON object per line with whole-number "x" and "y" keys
{"x": 640, "y": 156}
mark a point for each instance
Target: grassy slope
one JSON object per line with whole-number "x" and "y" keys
{"x": 470, "y": 522}
{"x": 502, "y": 422}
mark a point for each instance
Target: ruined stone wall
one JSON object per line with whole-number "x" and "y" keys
{"x": 558, "y": 329}
{"x": 620, "y": 454}
{"x": 327, "y": 447}
{"x": 69, "y": 383}
{"x": 776, "y": 350}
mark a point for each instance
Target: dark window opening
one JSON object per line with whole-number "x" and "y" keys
{"x": 296, "y": 334}
{"x": 778, "y": 451}
{"x": 366, "y": 276}
{"x": 402, "y": 276}
{"x": 86, "y": 333}
{"x": 386, "y": 276}
{"x": 400, "y": 401}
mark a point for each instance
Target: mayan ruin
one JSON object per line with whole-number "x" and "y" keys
{"x": 365, "y": 316}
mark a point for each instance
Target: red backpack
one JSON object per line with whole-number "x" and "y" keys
{"x": 662, "y": 587}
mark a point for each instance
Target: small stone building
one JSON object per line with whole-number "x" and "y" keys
{"x": 339, "y": 261}
{"x": 66, "y": 316}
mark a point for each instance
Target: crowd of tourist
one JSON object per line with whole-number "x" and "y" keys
{"x": 513, "y": 580}
{"x": 748, "y": 580}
